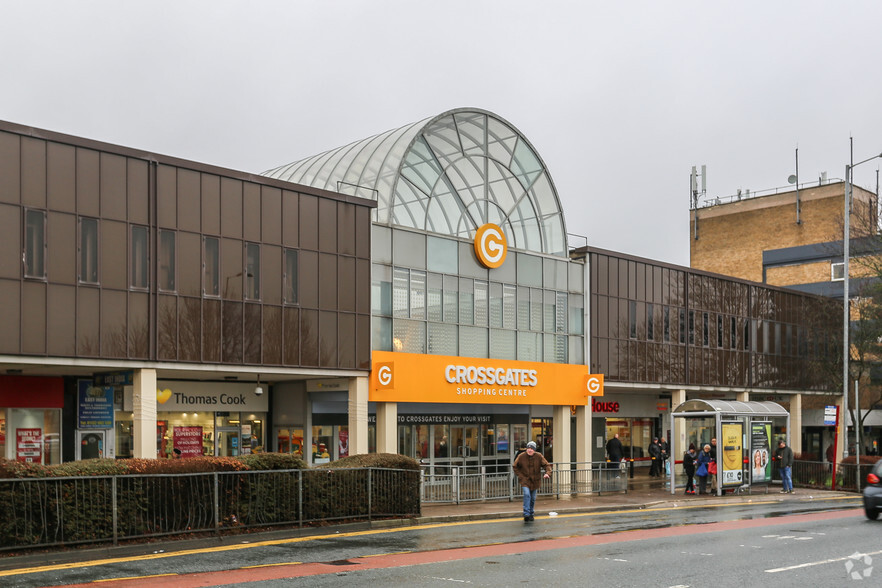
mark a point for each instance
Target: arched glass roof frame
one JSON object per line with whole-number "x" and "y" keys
{"x": 448, "y": 174}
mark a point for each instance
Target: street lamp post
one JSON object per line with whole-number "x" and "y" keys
{"x": 846, "y": 316}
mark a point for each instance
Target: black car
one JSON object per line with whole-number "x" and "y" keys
{"x": 873, "y": 492}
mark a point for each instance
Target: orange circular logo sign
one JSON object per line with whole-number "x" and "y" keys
{"x": 490, "y": 245}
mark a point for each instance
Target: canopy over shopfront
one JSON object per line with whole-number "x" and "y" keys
{"x": 744, "y": 429}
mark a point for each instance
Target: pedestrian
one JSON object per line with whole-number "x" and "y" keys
{"x": 701, "y": 472}
{"x": 529, "y": 468}
{"x": 784, "y": 455}
{"x": 521, "y": 449}
{"x": 614, "y": 451}
{"x": 665, "y": 454}
{"x": 713, "y": 468}
{"x": 689, "y": 468}
{"x": 655, "y": 455}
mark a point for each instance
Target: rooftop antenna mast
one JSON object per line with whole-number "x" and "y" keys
{"x": 694, "y": 194}
{"x": 794, "y": 179}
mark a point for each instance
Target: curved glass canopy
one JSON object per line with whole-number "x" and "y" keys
{"x": 448, "y": 174}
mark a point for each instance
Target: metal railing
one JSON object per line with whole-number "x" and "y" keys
{"x": 41, "y": 512}
{"x": 817, "y": 474}
{"x": 457, "y": 484}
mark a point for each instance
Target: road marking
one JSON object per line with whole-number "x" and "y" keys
{"x": 133, "y": 578}
{"x": 384, "y": 531}
{"x": 819, "y": 563}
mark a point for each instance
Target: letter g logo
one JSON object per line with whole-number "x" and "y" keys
{"x": 490, "y": 246}
{"x": 384, "y": 376}
{"x": 594, "y": 384}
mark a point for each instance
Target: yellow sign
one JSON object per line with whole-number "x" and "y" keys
{"x": 490, "y": 246}
{"x": 410, "y": 377}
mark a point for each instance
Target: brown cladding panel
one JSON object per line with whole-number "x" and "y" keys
{"x": 272, "y": 335}
{"x": 328, "y": 344}
{"x": 189, "y": 264}
{"x": 10, "y": 316}
{"x": 62, "y": 312}
{"x": 363, "y": 231}
{"x": 308, "y": 222}
{"x": 139, "y": 334}
{"x": 11, "y": 243}
{"x": 113, "y": 186}
{"x": 10, "y": 168}
{"x": 211, "y": 331}
{"x": 189, "y": 329}
{"x": 231, "y": 269}
{"x": 33, "y": 318}
{"x": 291, "y": 336}
{"x": 363, "y": 342}
{"x": 166, "y": 196}
{"x": 189, "y": 200}
{"x": 231, "y": 320}
{"x": 61, "y": 239}
{"x": 363, "y": 286}
{"x": 327, "y": 221}
{"x": 136, "y": 191}
{"x": 114, "y": 239}
{"x": 291, "y": 216}
{"x": 308, "y": 279}
{"x": 251, "y": 212}
{"x": 251, "y": 334}
{"x": 33, "y": 172}
{"x": 346, "y": 340}
{"x": 328, "y": 286}
{"x": 309, "y": 338}
{"x": 347, "y": 285}
{"x": 346, "y": 228}
{"x": 231, "y": 208}
{"x": 211, "y": 204}
{"x": 271, "y": 274}
{"x": 62, "y": 177}
{"x": 167, "y": 328}
{"x": 88, "y": 321}
{"x": 114, "y": 335}
{"x": 88, "y": 184}
{"x": 271, "y": 215}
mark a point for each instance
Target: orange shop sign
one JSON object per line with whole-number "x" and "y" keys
{"x": 412, "y": 377}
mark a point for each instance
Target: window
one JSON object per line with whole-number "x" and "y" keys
{"x": 632, "y": 319}
{"x": 682, "y": 326}
{"x": 732, "y": 332}
{"x": 211, "y": 267}
{"x": 35, "y": 244}
{"x": 167, "y": 260}
{"x": 89, "y": 250}
{"x": 667, "y": 324}
{"x": 837, "y": 272}
{"x": 719, "y": 330}
{"x": 252, "y": 271}
{"x": 139, "y": 275}
{"x": 650, "y": 326}
{"x": 705, "y": 335}
{"x": 692, "y": 327}
{"x": 291, "y": 277}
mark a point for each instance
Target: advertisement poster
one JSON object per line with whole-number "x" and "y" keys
{"x": 343, "y": 443}
{"x": 29, "y": 445}
{"x": 733, "y": 454}
{"x": 95, "y": 406}
{"x": 760, "y": 452}
{"x": 188, "y": 440}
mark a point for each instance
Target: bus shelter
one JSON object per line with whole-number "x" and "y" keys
{"x": 746, "y": 433}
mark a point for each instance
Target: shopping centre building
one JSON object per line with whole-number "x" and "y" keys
{"x": 413, "y": 292}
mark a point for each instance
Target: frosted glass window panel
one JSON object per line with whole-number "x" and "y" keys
{"x": 529, "y": 348}
{"x": 525, "y": 164}
{"x": 501, "y": 141}
{"x": 473, "y": 342}
{"x": 548, "y": 348}
{"x": 409, "y": 336}
{"x": 35, "y": 244}
{"x": 577, "y": 314}
{"x": 529, "y": 270}
{"x": 560, "y": 315}
{"x": 549, "y": 314}
{"x": 417, "y": 294}
{"x": 381, "y": 333}
{"x": 381, "y": 290}
{"x": 434, "y": 298}
{"x": 576, "y": 282}
{"x": 292, "y": 283}
{"x": 252, "y": 271}
{"x": 409, "y": 249}
{"x": 496, "y": 305}
{"x": 451, "y": 299}
{"x": 211, "y": 267}
{"x": 481, "y": 303}
{"x": 523, "y": 309}
{"x": 561, "y": 346}
{"x": 576, "y": 350}
{"x": 381, "y": 244}
{"x": 466, "y": 301}
{"x": 503, "y": 344}
{"x": 443, "y": 339}
{"x": 140, "y": 244}
{"x": 400, "y": 292}
{"x": 442, "y": 255}
{"x": 535, "y": 309}
{"x": 509, "y": 306}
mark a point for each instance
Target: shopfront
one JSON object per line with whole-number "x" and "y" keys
{"x": 635, "y": 417}
{"x": 30, "y": 419}
{"x": 202, "y": 418}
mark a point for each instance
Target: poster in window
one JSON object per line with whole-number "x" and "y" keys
{"x": 29, "y": 445}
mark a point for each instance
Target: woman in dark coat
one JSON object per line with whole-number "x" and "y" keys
{"x": 689, "y": 468}
{"x": 704, "y": 458}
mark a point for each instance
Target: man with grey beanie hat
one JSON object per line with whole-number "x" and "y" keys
{"x": 529, "y": 468}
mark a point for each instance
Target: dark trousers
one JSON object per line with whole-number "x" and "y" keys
{"x": 654, "y": 468}
{"x": 690, "y": 486}
{"x": 702, "y": 484}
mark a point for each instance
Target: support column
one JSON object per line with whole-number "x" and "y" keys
{"x": 842, "y": 437}
{"x": 796, "y": 425}
{"x": 742, "y": 396}
{"x": 144, "y": 409}
{"x": 358, "y": 415}
{"x": 387, "y": 427}
{"x": 583, "y": 436}
{"x": 562, "y": 434}
{"x": 678, "y": 443}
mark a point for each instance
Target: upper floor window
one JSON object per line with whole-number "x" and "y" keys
{"x": 211, "y": 267}
{"x": 837, "y": 272}
{"x": 252, "y": 271}
{"x": 167, "y": 260}
{"x": 291, "y": 276}
{"x": 35, "y": 244}
{"x": 140, "y": 243}
{"x": 89, "y": 250}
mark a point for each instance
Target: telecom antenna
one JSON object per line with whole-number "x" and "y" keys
{"x": 694, "y": 194}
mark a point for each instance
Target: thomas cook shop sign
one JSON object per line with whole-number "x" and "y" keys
{"x": 409, "y": 377}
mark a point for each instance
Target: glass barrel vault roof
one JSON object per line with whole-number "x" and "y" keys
{"x": 447, "y": 174}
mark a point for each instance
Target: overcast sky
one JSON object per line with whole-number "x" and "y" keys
{"x": 620, "y": 99}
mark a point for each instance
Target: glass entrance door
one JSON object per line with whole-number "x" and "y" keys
{"x": 228, "y": 442}
{"x": 464, "y": 445}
